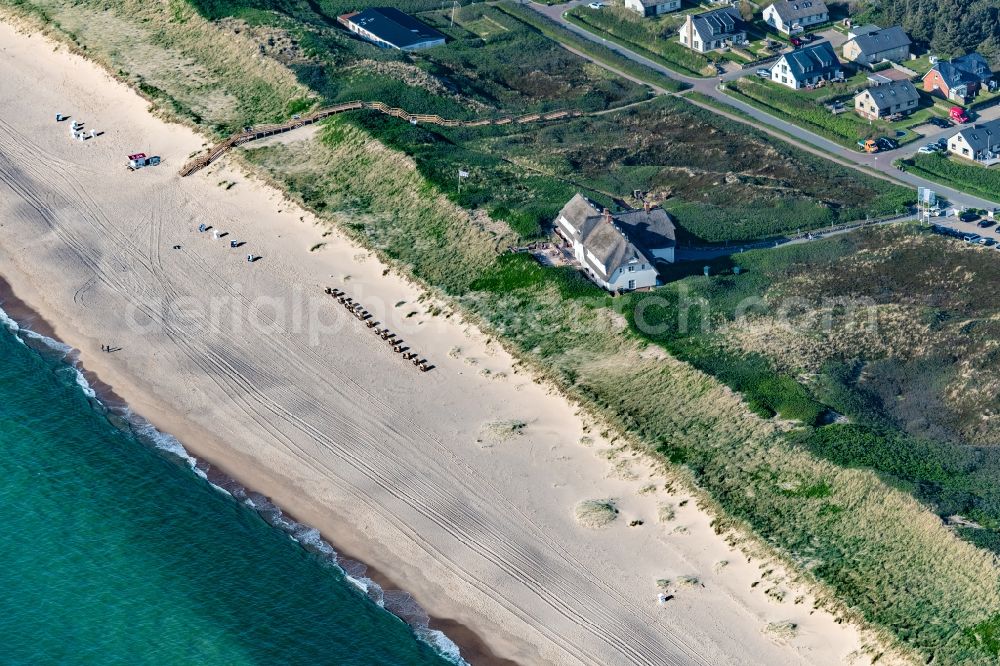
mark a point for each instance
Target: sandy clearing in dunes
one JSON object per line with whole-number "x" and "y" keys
{"x": 253, "y": 368}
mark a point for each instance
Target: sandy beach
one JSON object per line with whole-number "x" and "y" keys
{"x": 457, "y": 485}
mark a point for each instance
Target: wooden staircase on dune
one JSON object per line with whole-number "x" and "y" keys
{"x": 261, "y": 131}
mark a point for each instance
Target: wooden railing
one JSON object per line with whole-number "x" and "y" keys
{"x": 262, "y": 131}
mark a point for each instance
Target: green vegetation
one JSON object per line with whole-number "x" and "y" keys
{"x": 871, "y": 545}
{"x": 598, "y": 52}
{"x": 897, "y": 358}
{"x": 949, "y": 29}
{"x": 809, "y": 112}
{"x": 520, "y": 175}
{"x": 722, "y": 180}
{"x": 965, "y": 176}
{"x": 824, "y": 516}
{"x": 655, "y": 38}
{"x": 228, "y": 88}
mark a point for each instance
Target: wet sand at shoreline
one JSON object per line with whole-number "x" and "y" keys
{"x": 254, "y": 369}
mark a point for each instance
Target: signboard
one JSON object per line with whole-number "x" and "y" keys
{"x": 926, "y": 196}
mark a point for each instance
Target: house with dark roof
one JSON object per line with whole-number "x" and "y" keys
{"x": 618, "y": 251}
{"x": 874, "y": 46}
{"x": 980, "y": 142}
{"x": 887, "y": 76}
{"x": 653, "y": 7}
{"x": 713, "y": 30}
{"x": 794, "y": 16}
{"x": 960, "y": 79}
{"x": 857, "y": 30}
{"x": 390, "y": 28}
{"x": 896, "y": 97}
{"x": 807, "y": 67}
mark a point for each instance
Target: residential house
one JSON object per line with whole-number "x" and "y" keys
{"x": 618, "y": 251}
{"x": 794, "y": 16}
{"x": 857, "y": 31}
{"x": 887, "y": 76}
{"x": 390, "y": 28}
{"x": 807, "y": 67}
{"x": 959, "y": 79}
{"x": 713, "y": 30}
{"x": 875, "y": 46}
{"x": 980, "y": 142}
{"x": 653, "y": 7}
{"x": 887, "y": 100}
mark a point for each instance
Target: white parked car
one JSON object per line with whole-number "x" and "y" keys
{"x": 764, "y": 73}
{"x": 596, "y": 5}
{"x": 928, "y": 149}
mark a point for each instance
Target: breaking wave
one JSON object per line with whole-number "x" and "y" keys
{"x": 399, "y": 603}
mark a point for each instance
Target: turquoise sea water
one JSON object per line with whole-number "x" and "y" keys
{"x": 113, "y": 552}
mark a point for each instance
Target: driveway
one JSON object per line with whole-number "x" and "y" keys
{"x": 880, "y": 164}
{"x": 835, "y": 38}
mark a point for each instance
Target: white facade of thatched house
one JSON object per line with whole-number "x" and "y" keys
{"x": 620, "y": 251}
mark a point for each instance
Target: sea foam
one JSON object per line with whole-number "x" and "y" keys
{"x": 397, "y": 602}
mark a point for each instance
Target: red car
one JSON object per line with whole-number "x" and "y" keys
{"x": 796, "y": 42}
{"x": 958, "y": 115}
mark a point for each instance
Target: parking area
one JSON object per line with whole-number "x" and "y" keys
{"x": 835, "y": 37}
{"x": 975, "y": 229}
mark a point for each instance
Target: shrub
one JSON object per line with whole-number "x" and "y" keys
{"x": 971, "y": 178}
{"x": 844, "y": 128}
{"x": 601, "y": 53}
{"x": 650, "y": 38}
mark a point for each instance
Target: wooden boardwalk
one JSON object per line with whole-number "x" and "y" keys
{"x": 262, "y": 131}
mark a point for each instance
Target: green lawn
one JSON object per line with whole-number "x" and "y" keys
{"x": 921, "y": 65}
{"x": 985, "y": 98}
{"x": 806, "y": 109}
{"x": 655, "y": 38}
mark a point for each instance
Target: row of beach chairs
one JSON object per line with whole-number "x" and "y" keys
{"x": 366, "y": 318}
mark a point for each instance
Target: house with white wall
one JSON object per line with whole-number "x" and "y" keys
{"x": 713, "y": 30}
{"x": 653, "y": 7}
{"x": 980, "y": 143}
{"x": 794, "y": 16}
{"x": 875, "y": 46}
{"x": 618, "y": 251}
{"x": 807, "y": 67}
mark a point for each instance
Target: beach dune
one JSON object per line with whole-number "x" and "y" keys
{"x": 458, "y": 484}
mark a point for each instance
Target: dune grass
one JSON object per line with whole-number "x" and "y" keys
{"x": 873, "y": 547}
{"x": 596, "y": 513}
{"x": 878, "y": 554}
{"x": 190, "y": 68}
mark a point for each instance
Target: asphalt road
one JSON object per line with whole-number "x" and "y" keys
{"x": 880, "y": 163}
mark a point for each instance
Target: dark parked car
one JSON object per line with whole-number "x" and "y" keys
{"x": 940, "y": 122}
{"x": 985, "y": 224}
{"x": 885, "y": 143}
